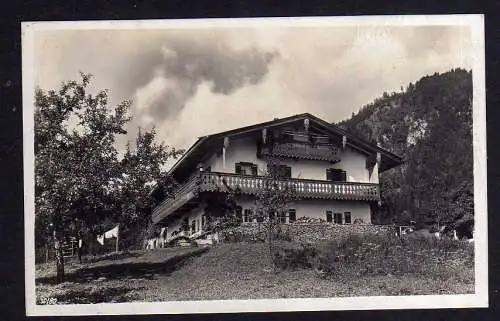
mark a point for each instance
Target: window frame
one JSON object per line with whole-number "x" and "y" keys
{"x": 329, "y": 216}
{"x": 347, "y": 214}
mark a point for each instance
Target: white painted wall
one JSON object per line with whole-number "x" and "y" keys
{"x": 245, "y": 150}
{"x": 318, "y": 208}
{"x": 194, "y": 214}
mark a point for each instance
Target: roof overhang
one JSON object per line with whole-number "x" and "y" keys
{"x": 206, "y": 144}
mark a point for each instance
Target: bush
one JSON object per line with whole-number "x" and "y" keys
{"x": 292, "y": 256}
{"x": 379, "y": 254}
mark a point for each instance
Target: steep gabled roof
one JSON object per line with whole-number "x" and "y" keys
{"x": 204, "y": 143}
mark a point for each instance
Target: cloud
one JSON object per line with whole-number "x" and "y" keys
{"x": 186, "y": 65}
{"x": 191, "y": 82}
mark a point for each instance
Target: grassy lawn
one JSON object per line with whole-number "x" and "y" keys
{"x": 227, "y": 271}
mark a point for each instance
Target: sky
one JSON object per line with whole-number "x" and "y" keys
{"x": 190, "y": 82}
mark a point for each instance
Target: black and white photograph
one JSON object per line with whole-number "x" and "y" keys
{"x": 249, "y": 165}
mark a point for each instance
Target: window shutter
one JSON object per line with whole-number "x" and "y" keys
{"x": 238, "y": 212}
{"x": 286, "y": 171}
{"x": 237, "y": 168}
{"x": 254, "y": 170}
{"x": 342, "y": 176}
{"x": 329, "y": 174}
{"x": 291, "y": 215}
{"x": 337, "y": 218}
{"x": 329, "y": 216}
{"x": 347, "y": 217}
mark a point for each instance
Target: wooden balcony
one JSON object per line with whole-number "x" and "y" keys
{"x": 302, "y": 151}
{"x": 184, "y": 194}
{"x": 306, "y": 189}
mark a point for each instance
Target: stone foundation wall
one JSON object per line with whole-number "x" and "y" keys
{"x": 303, "y": 232}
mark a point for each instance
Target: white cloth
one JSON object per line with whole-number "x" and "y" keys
{"x": 111, "y": 233}
{"x": 107, "y": 235}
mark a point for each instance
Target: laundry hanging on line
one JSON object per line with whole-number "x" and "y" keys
{"x": 107, "y": 235}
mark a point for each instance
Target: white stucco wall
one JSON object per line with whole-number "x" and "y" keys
{"x": 245, "y": 150}
{"x": 317, "y": 208}
{"x": 194, "y": 214}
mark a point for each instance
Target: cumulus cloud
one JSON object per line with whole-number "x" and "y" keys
{"x": 192, "y": 82}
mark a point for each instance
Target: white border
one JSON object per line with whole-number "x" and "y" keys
{"x": 479, "y": 299}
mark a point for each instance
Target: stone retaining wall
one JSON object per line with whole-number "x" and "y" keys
{"x": 304, "y": 232}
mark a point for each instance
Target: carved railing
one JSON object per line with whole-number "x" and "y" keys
{"x": 304, "y": 188}
{"x": 179, "y": 197}
{"x": 302, "y": 151}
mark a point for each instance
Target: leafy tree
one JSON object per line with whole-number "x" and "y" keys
{"x": 141, "y": 173}
{"x": 75, "y": 159}
{"x": 272, "y": 202}
{"x": 80, "y": 183}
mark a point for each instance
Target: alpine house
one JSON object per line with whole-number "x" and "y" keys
{"x": 335, "y": 175}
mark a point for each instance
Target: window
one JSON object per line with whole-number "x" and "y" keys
{"x": 193, "y": 226}
{"x": 238, "y": 213}
{"x": 321, "y": 140}
{"x": 271, "y": 215}
{"x": 291, "y": 215}
{"x": 260, "y": 217}
{"x": 245, "y": 168}
{"x": 301, "y": 138}
{"x": 337, "y": 218}
{"x": 329, "y": 216}
{"x": 347, "y": 218}
{"x": 283, "y": 171}
{"x": 247, "y": 215}
{"x": 335, "y": 175}
{"x": 282, "y": 217}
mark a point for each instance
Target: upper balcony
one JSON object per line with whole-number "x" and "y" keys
{"x": 324, "y": 152}
{"x": 304, "y": 188}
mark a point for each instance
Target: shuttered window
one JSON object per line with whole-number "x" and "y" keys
{"x": 291, "y": 215}
{"x": 260, "y": 217}
{"x": 245, "y": 168}
{"x": 337, "y": 218}
{"x": 238, "y": 213}
{"x": 254, "y": 169}
{"x": 247, "y": 215}
{"x": 335, "y": 175}
{"x": 329, "y": 216}
{"x": 282, "y": 217}
{"x": 283, "y": 171}
{"x": 347, "y": 218}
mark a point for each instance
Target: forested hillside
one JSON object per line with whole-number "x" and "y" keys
{"x": 430, "y": 124}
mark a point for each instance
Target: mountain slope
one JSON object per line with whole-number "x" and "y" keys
{"x": 430, "y": 125}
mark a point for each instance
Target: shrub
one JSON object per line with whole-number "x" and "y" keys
{"x": 293, "y": 256}
{"x": 379, "y": 254}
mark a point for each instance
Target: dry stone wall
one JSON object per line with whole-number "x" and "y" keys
{"x": 303, "y": 232}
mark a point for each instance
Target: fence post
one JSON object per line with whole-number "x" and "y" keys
{"x": 117, "y": 239}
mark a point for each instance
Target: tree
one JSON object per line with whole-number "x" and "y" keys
{"x": 431, "y": 127}
{"x": 141, "y": 172}
{"x": 272, "y": 202}
{"x": 75, "y": 159}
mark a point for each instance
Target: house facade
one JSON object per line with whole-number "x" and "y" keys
{"x": 335, "y": 175}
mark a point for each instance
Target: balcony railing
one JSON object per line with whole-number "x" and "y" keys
{"x": 181, "y": 196}
{"x": 307, "y": 189}
{"x": 303, "y": 151}
{"x": 303, "y": 188}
